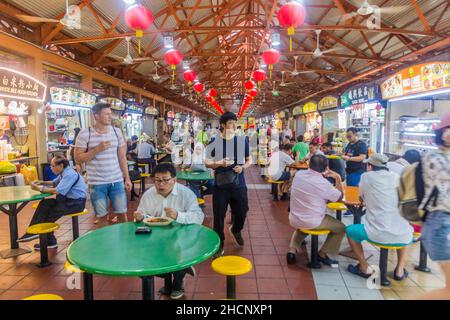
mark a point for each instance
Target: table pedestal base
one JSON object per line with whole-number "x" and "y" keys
{"x": 11, "y": 253}
{"x": 148, "y": 288}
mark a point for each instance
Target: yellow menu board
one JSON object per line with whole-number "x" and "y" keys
{"x": 298, "y": 110}
{"x": 310, "y": 107}
{"x": 328, "y": 102}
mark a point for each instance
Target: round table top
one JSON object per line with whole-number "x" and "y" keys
{"x": 351, "y": 196}
{"x": 194, "y": 175}
{"x": 117, "y": 251}
{"x": 20, "y": 194}
{"x": 299, "y": 166}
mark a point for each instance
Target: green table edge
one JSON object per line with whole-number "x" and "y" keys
{"x": 145, "y": 274}
{"x": 182, "y": 176}
{"x": 37, "y": 197}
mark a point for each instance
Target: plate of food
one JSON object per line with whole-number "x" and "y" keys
{"x": 158, "y": 221}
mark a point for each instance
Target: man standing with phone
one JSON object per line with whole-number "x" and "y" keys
{"x": 229, "y": 155}
{"x": 103, "y": 149}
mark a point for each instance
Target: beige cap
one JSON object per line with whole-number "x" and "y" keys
{"x": 377, "y": 160}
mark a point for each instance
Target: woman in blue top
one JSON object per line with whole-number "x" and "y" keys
{"x": 70, "y": 191}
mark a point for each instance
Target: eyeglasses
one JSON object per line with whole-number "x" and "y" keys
{"x": 163, "y": 181}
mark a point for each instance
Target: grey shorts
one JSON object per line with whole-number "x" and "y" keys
{"x": 436, "y": 235}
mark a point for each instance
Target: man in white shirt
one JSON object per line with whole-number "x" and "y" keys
{"x": 382, "y": 222}
{"x": 410, "y": 157}
{"x": 170, "y": 199}
{"x": 278, "y": 163}
{"x": 287, "y": 132}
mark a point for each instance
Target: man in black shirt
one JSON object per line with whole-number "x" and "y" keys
{"x": 355, "y": 153}
{"x": 229, "y": 155}
{"x": 336, "y": 165}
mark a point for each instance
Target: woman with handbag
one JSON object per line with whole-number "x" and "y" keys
{"x": 70, "y": 191}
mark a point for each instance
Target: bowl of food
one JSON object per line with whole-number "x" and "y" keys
{"x": 158, "y": 221}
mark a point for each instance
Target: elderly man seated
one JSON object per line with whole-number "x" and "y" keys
{"x": 278, "y": 162}
{"x": 170, "y": 199}
{"x": 310, "y": 193}
{"x": 382, "y": 223}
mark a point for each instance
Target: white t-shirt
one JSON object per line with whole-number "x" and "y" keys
{"x": 382, "y": 221}
{"x": 278, "y": 162}
{"x": 287, "y": 132}
{"x": 104, "y": 168}
{"x": 398, "y": 166}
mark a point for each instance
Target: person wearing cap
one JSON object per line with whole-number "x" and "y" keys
{"x": 410, "y": 157}
{"x": 436, "y": 228}
{"x": 382, "y": 223}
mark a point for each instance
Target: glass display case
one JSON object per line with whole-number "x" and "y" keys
{"x": 412, "y": 133}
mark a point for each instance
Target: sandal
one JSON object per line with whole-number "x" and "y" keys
{"x": 357, "y": 271}
{"x": 405, "y": 275}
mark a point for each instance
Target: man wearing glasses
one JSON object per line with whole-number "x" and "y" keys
{"x": 170, "y": 199}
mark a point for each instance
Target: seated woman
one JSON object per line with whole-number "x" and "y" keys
{"x": 382, "y": 223}
{"x": 169, "y": 147}
{"x": 70, "y": 191}
{"x": 197, "y": 164}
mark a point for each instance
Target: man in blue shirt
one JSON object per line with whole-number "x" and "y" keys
{"x": 229, "y": 155}
{"x": 70, "y": 191}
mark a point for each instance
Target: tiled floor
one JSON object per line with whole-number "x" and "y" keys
{"x": 266, "y": 234}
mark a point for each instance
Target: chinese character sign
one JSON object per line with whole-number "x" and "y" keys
{"x": 20, "y": 86}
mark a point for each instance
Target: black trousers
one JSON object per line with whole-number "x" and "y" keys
{"x": 50, "y": 210}
{"x": 238, "y": 201}
{"x": 174, "y": 281}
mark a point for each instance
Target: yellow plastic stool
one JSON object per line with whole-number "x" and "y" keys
{"x": 42, "y": 229}
{"x": 45, "y": 296}
{"x": 75, "y": 226}
{"x": 71, "y": 268}
{"x": 338, "y": 207}
{"x": 384, "y": 252}
{"x": 200, "y": 201}
{"x": 315, "y": 263}
{"x": 231, "y": 266}
{"x": 274, "y": 188}
{"x": 35, "y": 205}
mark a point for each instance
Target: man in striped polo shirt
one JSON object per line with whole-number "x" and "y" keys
{"x": 103, "y": 149}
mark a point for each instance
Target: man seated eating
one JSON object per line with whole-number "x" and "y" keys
{"x": 278, "y": 162}
{"x": 170, "y": 199}
{"x": 382, "y": 223}
{"x": 310, "y": 193}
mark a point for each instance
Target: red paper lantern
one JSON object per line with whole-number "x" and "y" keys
{"x": 138, "y": 18}
{"x": 199, "y": 87}
{"x": 291, "y": 16}
{"x": 213, "y": 93}
{"x": 173, "y": 57}
{"x": 189, "y": 76}
{"x": 249, "y": 85}
{"x": 271, "y": 57}
{"x": 260, "y": 76}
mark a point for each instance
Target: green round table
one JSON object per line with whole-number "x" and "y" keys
{"x": 117, "y": 251}
{"x": 12, "y": 201}
{"x": 194, "y": 175}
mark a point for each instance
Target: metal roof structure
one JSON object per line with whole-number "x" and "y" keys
{"x": 223, "y": 41}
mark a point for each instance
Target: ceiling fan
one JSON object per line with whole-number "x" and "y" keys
{"x": 128, "y": 59}
{"x": 156, "y": 76}
{"x": 284, "y": 84}
{"x": 71, "y": 20}
{"x": 318, "y": 53}
{"x": 297, "y": 72}
{"x": 366, "y": 9}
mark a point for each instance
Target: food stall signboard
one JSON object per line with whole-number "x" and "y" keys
{"x": 116, "y": 104}
{"x": 20, "y": 86}
{"x": 72, "y": 97}
{"x": 282, "y": 115}
{"x": 360, "y": 94}
{"x": 328, "y": 102}
{"x": 310, "y": 107}
{"x": 134, "y": 107}
{"x": 298, "y": 110}
{"x": 151, "y": 111}
{"x": 171, "y": 114}
{"x": 417, "y": 79}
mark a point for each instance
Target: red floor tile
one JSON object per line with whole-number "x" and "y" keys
{"x": 269, "y": 272}
{"x": 7, "y": 282}
{"x": 273, "y": 286}
{"x": 266, "y": 260}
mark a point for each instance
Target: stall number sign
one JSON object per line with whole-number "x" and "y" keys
{"x": 328, "y": 103}
{"x": 310, "y": 107}
{"x": 358, "y": 95}
{"x": 134, "y": 108}
{"x": 116, "y": 104}
{"x": 72, "y": 97}
{"x": 20, "y": 86}
{"x": 417, "y": 79}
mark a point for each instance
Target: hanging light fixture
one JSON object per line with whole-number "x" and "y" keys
{"x": 168, "y": 42}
